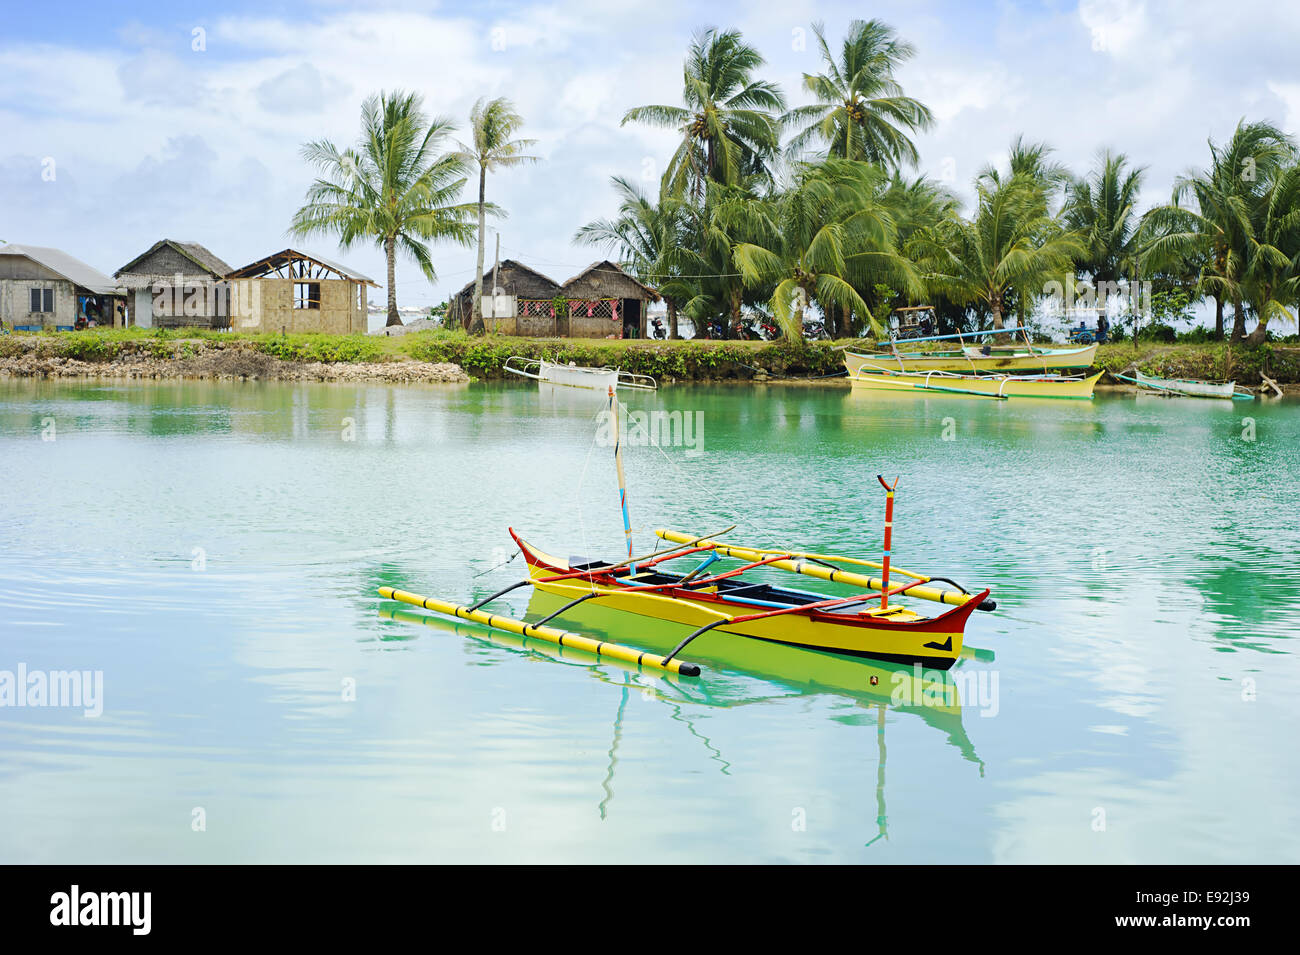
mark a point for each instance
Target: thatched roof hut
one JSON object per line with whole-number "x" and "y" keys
{"x": 174, "y": 284}
{"x": 601, "y": 301}
{"x": 514, "y": 279}
{"x": 607, "y": 279}
{"x": 166, "y": 259}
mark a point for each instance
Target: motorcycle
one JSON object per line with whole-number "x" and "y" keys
{"x": 814, "y": 330}
{"x": 657, "y": 329}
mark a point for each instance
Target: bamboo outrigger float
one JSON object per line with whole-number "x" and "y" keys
{"x": 869, "y": 622}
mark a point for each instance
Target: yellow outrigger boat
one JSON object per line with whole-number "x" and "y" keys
{"x": 1024, "y": 357}
{"x": 868, "y": 622}
{"x": 982, "y": 386}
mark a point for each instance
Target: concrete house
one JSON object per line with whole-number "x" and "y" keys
{"x": 47, "y": 289}
{"x": 292, "y": 291}
{"x": 175, "y": 284}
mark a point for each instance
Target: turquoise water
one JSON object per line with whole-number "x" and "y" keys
{"x": 214, "y": 550}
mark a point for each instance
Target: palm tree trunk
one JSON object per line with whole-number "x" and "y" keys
{"x": 805, "y": 296}
{"x": 390, "y": 253}
{"x": 733, "y": 326}
{"x": 672, "y": 318}
{"x": 1259, "y": 335}
{"x": 996, "y": 302}
{"x": 476, "y": 312}
{"x": 1218, "y": 318}
{"x": 1238, "y": 321}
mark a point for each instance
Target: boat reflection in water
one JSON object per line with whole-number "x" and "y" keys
{"x": 934, "y": 696}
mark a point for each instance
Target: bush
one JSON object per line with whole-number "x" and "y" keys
{"x": 483, "y": 357}
{"x": 321, "y": 348}
{"x": 1158, "y": 332}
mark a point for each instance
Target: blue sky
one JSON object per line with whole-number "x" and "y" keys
{"x": 147, "y": 137}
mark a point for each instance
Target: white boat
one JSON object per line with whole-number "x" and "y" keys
{"x": 573, "y": 375}
{"x": 1193, "y": 387}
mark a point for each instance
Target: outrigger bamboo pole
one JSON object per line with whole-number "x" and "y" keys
{"x": 622, "y": 483}
{"x": 953, "y": 597}
{"x": 563, "y": 638}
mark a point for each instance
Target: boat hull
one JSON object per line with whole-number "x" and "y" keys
{"x": 901, "y": 637}
{"x": 1189, "y": 386}
{"x": 989, "y": 386}
{"x": 600, "y": 380}
{"x": 1040, "y": 361}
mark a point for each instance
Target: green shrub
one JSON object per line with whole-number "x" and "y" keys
{"x": 322, "y": 348}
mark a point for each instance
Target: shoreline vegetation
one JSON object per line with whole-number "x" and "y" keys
{"x": 810, "y": 219}
{"x": 456, "y": 357}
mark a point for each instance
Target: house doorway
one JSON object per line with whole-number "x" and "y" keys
{"x": 631, "y": 318}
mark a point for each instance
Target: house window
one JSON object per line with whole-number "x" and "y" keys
{"x": 306, "y": 295}
{"x": 43, "y": 300}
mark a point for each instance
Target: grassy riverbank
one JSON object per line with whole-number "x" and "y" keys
{"x": 482, "y": 357}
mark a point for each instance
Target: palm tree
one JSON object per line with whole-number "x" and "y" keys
{"x": 393, "y": 188}
{"x": 1272, "y": 274}
{"x": 1102, "y": 208}
{"x": 650, "y": 238}
{"x": 493, "y": 123}
{"x": 825, "y": 238}
{"x": 861, "y": 112}
{"x": 1209, "y": 217}
{"x": 1011, "y": 246}
{"x": 1033, "y": 165}
{"x": 729, "y": 125}
{"x": 918, "y": 203}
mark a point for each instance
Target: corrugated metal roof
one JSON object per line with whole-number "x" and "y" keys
{"x": 74, "y": 270}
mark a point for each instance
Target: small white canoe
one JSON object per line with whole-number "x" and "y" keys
{"x": 576, "y": 376}
{"x": 1188, "y": 386}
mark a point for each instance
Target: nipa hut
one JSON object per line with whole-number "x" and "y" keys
{"x": 518, "y": 301}
{"x": 175, "y": 284}
{"x": 602, "y": 301}
{"x": 604, "y": 291}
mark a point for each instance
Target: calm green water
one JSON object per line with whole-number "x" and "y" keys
{"x": 214, "y": 550}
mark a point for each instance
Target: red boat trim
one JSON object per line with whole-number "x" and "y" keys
{"x": 953, "y": 620}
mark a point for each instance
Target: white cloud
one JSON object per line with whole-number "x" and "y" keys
{"x": 1116, "y": 26}
{"x": 303, "y": 89}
